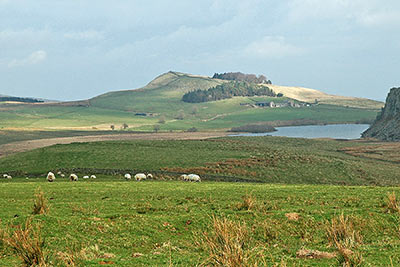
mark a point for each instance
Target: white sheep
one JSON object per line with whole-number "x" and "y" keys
{"x": 93, "y": 176}
{"x": 51, "y": 177}
{"x": 128, "y": 176}
{"x": 140, "y": 176}
{"x": 149, "y": 176}
{"x": 59, "y": 172}
{"x": 73, "y": 177}
{"x": 9, "y": 177}
{"x": 5, "y": 176}
{"x": 62, "y": 175}
{"x": 194, "y": 178}
{"x": 184, "y": 177}
{"x": 86, "y": 177}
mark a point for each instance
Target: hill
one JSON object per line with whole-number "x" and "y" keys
{"x": 386, "y": 127}
{"x": 160, "y": 103}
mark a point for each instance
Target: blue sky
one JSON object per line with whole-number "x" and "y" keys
{"x": 77, "y": 49}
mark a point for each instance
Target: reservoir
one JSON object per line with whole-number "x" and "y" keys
{"x": 335, "y": 131}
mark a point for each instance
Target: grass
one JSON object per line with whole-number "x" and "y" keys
{"x": 162, "y": 99}
{"x": 257, "y": 159}
{"x": 158, "y": 223}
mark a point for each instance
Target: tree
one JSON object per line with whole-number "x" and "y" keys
{"x": 125, "y": 126}
{"x": 112, "y": 126}
{"x": 161, "y": 120}
{"x": 195, "y": 109}
{"x": 181, "y": 115}
{"x": 156, "y": 128}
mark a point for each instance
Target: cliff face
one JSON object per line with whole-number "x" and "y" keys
{"x": 387, "y": 124}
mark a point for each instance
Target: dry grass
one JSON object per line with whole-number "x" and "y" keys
{"x": 392, "y": 204}
{"x": 40, "y": 205}
{"x": 27, "y": 243}
{"x": 228, "y": 244}
{"x": 249, "y": 203}
{"x": 342, "y": 234}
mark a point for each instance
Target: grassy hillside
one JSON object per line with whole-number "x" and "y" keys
{"x": 126, "y": 224}
{"x": 258, "y": 159}
{"x": 161, "y": 98}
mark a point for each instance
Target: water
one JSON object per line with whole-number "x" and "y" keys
{"x": 336, "y": 131}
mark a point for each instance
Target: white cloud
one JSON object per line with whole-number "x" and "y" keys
{"x": 272, "y": 47}
{"x": 84, "y": 35}
{"x": 34, "y": 58}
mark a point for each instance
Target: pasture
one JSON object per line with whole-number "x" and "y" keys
{"x": 160, "y": 223}
{"x": 299, "y": 202}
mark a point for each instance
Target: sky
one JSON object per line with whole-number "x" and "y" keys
{"x": 77, "y": 49}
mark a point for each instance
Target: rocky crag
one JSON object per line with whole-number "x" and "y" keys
{"x": 387, "y": 124}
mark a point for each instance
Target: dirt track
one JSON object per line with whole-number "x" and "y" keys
{"x": 22, "y": 146}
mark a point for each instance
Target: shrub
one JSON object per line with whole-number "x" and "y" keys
{"x": 228, "y": 244}
{"x": 27, "y": 243}
{"x": 40, "y": 205}
{"x": 253, "y": 128}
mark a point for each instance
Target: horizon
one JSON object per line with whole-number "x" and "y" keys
{"x": 70, "y": 51}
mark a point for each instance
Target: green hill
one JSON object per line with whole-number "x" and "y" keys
{"x": 160, "y": 101}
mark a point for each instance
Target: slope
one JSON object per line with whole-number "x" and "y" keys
{"x": 159, "y": 102}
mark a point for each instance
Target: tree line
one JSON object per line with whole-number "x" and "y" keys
{"x": 227, "y": 90}
{"x": 19, "y": 99}
{"x": 241, "y": 77}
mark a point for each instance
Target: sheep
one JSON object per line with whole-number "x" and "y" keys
{"x": 59, "y": 173}
{"x": 149, "y": 176}
{"x": 62, "y": 175}
{"x": 184, "y": 177}
{"x": 5, "y": 176}
{"x": 9, "y": 177}
{"x": 194, "y": 178}
{"x": 73, "y": 177}
{"x": 86, "y": 177}
{"x": 140, "y": 176}
{"x": 51, "y": 177}
{"x": 128, "y": 176}
{"x": 93, "y": 176}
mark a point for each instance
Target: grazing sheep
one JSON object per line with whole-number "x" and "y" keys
{"x": 184, "y": 177}
{"x": 128, "y": 176}
{"x": 86, "y": 177}
{"x": 9, "y": 177}
{"x": 140, "y": 176}
{"x": 93, "y": 177}
{"x": 62, "y": 175}
{"x": 73, "y": 177}
{"x": 59, "y": 173}
{"x": 51, "y": 177}
{"x": 5, "y": 176}
{"x": 149, "y": 176}
{"x": 194, "y": 178}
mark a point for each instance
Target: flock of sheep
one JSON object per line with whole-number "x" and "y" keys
{"x": 51, "y": 177}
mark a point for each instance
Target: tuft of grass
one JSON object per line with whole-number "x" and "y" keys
{"x": 392, "y": 203}
{"x": 249, "y": 203}
{"x": 40, "y": 205}
{"x": 27, "y": 243}
{"x": 342, "y": 234}
{"x": 228, "y": 244}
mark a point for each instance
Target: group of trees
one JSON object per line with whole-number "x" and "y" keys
{"x": 227, "y": 90}
{"x": 19, "y": 99}
{"x": 241, "y": 77}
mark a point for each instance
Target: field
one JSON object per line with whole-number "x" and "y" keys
{"x": 110, "y": 221}
{"x": 160, "y": 103}
{"x": 294, "y": 202}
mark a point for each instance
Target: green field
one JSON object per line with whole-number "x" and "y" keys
{"x": 261, "y": 159}
{"x": 110, "y": 221}
{"x": 170, "y": 222}
{"x": 162, "y": 99}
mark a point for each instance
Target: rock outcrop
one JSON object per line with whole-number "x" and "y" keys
{"x": 387, "y": 124}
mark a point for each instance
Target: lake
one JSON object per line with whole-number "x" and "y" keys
{"x": 335, "y": 131}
